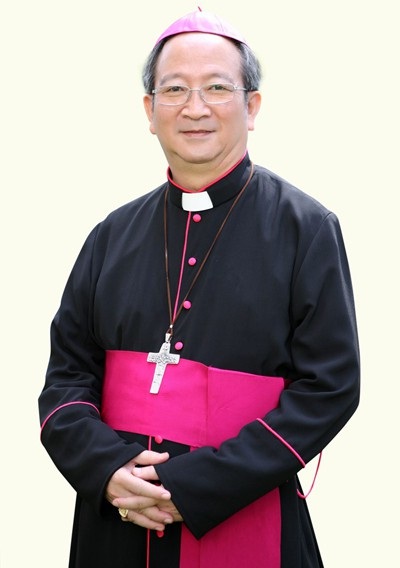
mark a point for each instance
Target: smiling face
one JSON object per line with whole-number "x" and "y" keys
{"x": 201, "y": 140}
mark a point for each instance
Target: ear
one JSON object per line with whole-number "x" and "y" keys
{"x": 149, "y": 108}
{"x": 253, "y": 106}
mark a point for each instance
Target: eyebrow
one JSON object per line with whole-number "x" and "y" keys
{"x": 211, "y": 78}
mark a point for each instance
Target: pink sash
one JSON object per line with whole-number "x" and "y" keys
{"x": 197, "y": 406}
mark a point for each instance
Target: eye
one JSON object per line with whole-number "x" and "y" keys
{"x": 173, "y": 89}
{"x": 220, "y": 87}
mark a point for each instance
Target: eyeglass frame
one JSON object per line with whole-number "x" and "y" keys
{"x": 189, "y": 91}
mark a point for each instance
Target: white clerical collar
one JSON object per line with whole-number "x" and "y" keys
{"x": 196, "y": 201}
{"x": 212, "y": 195}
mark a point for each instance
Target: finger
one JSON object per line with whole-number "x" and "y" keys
{"x": 134, "y": 503}
{"x": 138, "y": 502}
{"x": 138, "y": 486}
{"x": 147, "y": 473}
{"x": 124, "y": 484}
{"x": 143, "y": 521}
{"x": 147, "y": 457}
{"x": 170, "y": 509}
{"x": 155, "y": 514}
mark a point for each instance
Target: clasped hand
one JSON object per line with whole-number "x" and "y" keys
{"x": 136, "y": 489}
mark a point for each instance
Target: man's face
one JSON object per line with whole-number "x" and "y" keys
{"x": 197, "y": 133}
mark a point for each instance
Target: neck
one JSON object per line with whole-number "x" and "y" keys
{"x": 193, "y": 181}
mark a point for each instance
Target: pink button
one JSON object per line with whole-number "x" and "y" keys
{"x": 197, "y": 218}
{"x": 192, "y": 261}
{"x": 160, "y": 534}
{"x": 158, "y": 439}
{"x": 187, "y": 304}
{"x": 178, "y": 345}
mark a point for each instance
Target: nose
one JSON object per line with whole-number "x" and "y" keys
{"x": 195, "y": 105}
{"x": 195, "y": 91}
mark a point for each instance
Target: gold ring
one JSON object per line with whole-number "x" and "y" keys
{"x": 123, "y": 513}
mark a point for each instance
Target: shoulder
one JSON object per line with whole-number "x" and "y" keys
{"x": 291, "y": 215}
{"x": 133, "y": 216}
{"x": 134, "y": 209}
{"x": 128, "y": 221}
{"x": 286, "y": 201}
{"x": 279, "y": 188}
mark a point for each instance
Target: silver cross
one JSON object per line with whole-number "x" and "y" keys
{"x": 162, "y": 359}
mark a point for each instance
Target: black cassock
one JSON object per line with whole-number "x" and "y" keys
{"x": 273, "y": 298}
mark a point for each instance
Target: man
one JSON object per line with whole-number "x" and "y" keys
{"x": 205, "y": 348}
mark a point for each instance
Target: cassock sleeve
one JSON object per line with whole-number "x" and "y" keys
{"x": 208, "y": 485}
{"x": 84, "y": 449}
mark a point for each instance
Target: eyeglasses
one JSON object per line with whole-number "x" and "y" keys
{"x": 214, "y": 94}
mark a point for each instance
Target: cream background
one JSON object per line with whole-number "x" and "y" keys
{"x": 75, "y": 145}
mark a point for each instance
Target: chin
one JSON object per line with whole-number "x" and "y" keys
{"x": 199, "y": 158}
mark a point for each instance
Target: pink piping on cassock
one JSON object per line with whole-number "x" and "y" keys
{"x": 148, "y": 530}
{"x": 160, "y": 534}
{"x": 64, "y": 406}
{"x": 290, "y": 448}
{"x": 303, "y": 463}
{"x": 305, "y": 495}
{"x": 182, "y": 266}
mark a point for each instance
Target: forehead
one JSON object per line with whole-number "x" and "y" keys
{"x": 199, "y": 54}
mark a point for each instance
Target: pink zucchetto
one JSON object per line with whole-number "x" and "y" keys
{"x": 205, "y": 22}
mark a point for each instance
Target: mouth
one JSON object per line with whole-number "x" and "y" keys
{"x": 200, "y": 133}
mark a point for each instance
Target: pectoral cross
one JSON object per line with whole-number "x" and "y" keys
{"x": 162, "y": 359}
